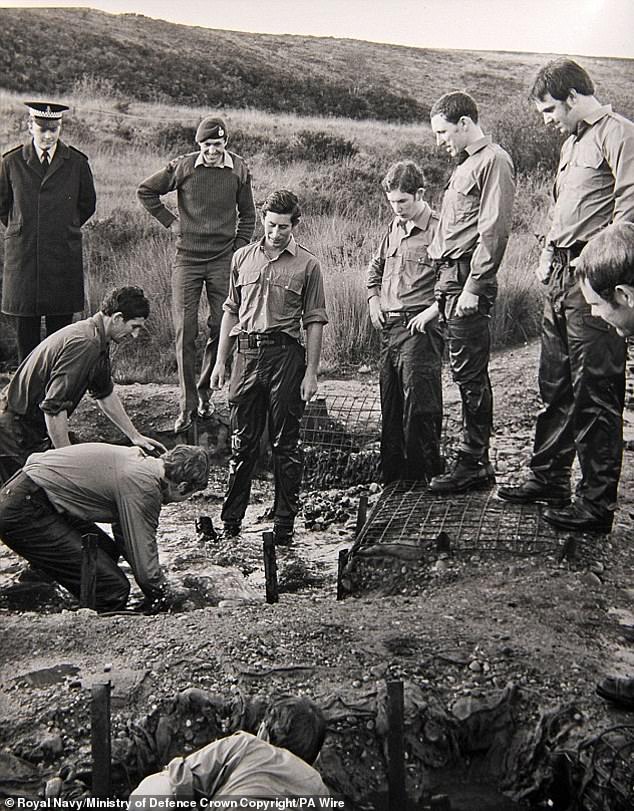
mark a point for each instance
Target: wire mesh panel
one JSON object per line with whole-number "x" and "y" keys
{"x": 340, "y": 436}
{"x": 411, "y": 515}
{"x": 607, "y": 763}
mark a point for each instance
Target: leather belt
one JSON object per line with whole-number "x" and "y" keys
{"x": 254, "y": 340}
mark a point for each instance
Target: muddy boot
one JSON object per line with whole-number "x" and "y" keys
{"x": 468, "y": 473}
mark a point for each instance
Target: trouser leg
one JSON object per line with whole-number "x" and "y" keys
{"x": 597, "y": 359}
{"x": 554, "y": 446}
{"x": 392, "y": 447}
{"x": 187, "y": 283}
{"x": 469, "y": 344}
{"x": 419, "y": 365}
{"x": 217, "y": 287}
{"x": 248, "y": 406}
{"x": 27, "y": 334}
{"x": 56, "y": 322}
{"x": 286, "y": 369}
{"x": 49, "y": 541}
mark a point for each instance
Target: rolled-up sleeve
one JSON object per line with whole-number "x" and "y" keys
{"x": 376, "y": 268}
{"x": 314, "y": 304}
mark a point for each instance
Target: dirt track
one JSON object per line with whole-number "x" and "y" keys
{"x": 549, "y": 628}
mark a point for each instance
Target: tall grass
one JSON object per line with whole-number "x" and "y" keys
{"x": 334, "y": 165}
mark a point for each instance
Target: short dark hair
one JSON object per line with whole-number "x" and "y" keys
{"x": 187, "y": 463}
{"x": 608, "y": 260}
{"x": 129, "y": 301}
{"x": 454, "y": 105}
{"x": 403, "y": 176}
{"x": 282, "y": 201}
{"x": 558, "y": 78}
{"x": 296, "y": 723}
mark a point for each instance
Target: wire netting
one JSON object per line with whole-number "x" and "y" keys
{"x": 340, "y": 436}
{"x": 607, "y": 761}
{"x": 409, "y": 513}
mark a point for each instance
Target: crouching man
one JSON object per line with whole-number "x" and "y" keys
{"x": 275, "y": 763}
{"x": 58, "y": 495}
{"x": 275, "y": 288}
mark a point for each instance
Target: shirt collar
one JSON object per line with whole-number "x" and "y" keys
{"x": 98, "y": 321}
{"x": 291, "y": 247}
{"x": 228, "y": 162}
{"x": 592, "y": 118}
{"x": 421, "y": 222}
{"x": 39, "y": 152}
{"x": 476, "y": 146}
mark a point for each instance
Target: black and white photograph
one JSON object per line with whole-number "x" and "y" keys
{"x": 317, "y": 405}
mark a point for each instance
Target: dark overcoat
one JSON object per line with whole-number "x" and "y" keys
{"x": 43, "y": 214}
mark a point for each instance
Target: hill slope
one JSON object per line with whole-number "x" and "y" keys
{"x": 51, "y": 50}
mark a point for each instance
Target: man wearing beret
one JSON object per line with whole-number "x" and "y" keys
{"x": 216, "y": 216}
{"x": 46, "y": 194}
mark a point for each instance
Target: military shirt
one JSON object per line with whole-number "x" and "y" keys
{"x": 595, "y": 179}
{"x": 59, "y": 371}
{"x": 275, "y": 295}
{"x": 110, "y": 484}
{"x": 476, "y": 213}
{"x": 401, "y": 271}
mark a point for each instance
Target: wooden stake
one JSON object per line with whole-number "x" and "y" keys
{"x": 395, "y": 747}
{"x": 270, "y": 567}
{"x": 100, "y": 741}
{"x": 88, "y": 587}
{"x": 361, "y": 514}
{"x": 341, "y": 565}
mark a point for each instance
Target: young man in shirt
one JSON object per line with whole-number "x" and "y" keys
{"x": 275, "y": 288}
{"x": 605, "y": 270}
{"x": 582, "y": 364}
{"x": 58, "y": 496}
{"x": 48, "y": 385}
{"x": 401, "y": 280}
{"x": 46, "y": 194}
{"x": 216, "y": 216}
{"x": 275, "y": 763}
{"x": 474, "y": 227}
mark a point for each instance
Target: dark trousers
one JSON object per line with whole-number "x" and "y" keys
{"x": 469, "y": 342}
{"x": 27, "y": 330}
{"x": 582, "y": 385}
{"x": 411, "y": 402}
{"x": 265, "y": 383}
{"x": 18, "y": 440}
{"x": 187, "y": 285}
{"x": 52, "y": 542}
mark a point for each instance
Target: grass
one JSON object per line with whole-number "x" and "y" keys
{"x": 335, "y": 166}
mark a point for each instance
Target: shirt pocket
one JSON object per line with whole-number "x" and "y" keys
{"x": 465, "y": 198}
{"x": 585, "y": 171}
{"x": 416, "y": 263}
{"x": 286, "y": 289}
{"x": 249, "y": 277}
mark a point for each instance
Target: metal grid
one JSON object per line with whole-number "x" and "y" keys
{"x": 607, "y": 761}
{"x": 408, "y": 513}
{"x": 340, "y": 437}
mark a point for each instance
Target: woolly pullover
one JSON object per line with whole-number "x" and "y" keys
{"x": 215, "y": 206}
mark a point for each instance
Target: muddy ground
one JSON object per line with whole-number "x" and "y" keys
{"x": 499, "y": 656}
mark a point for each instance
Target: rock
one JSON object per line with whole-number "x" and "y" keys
{"x": 475, "y": 667}
{"x": 590, "y": 579}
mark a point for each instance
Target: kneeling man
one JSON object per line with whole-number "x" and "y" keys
{"x": 58, "y": 495}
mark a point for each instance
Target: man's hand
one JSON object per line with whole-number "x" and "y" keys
{"x": 148, "y": 444}
{"x": 218, "y": 375}
{"x": 545, "y": 266}
{"x": 376, "y": 313}
{"x": 419, "y": 322}
{"x": 309, "y": 386}
{"x": 467, "y": 304}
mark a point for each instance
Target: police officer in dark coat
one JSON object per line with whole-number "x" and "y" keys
{"x": 46, "y": 194}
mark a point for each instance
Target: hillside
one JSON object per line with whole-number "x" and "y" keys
{"x": 52, "y": 50}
